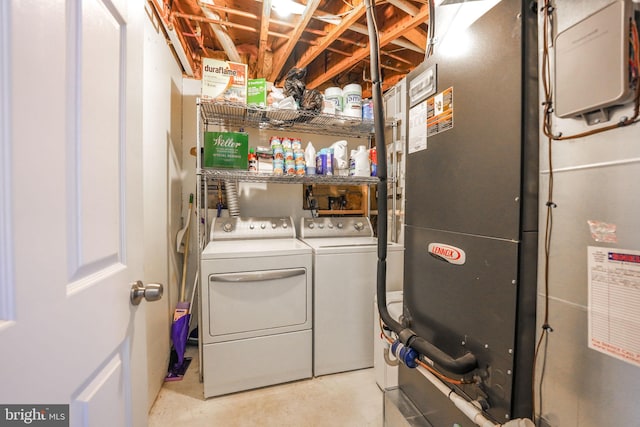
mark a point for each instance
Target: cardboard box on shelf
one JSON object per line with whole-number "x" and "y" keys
{"x": 226, "y": 150}
{"x": 224, "y": 80}
{"x": 257, "y": 92}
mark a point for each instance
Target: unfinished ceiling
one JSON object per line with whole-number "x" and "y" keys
{"x": 328, "y": 37}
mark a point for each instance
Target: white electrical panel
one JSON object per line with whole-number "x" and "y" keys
{"x": 592, "y": 62}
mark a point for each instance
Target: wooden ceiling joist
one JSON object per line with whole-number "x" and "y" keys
{"x": 404, "y": 6}
{"x": 223, "y": 37}
{"x": 347, "y": 21}
{"x": 333, "y": 48}
{"x": 396, "y": 57}
{"x": 405, "y": 24}
{"x": 230, "y": 11}
{"x": 417, "y": 37}
{"x": 362, "y": 29}
{"x": 217, "y": 21}
{"x": 264, "y": 36}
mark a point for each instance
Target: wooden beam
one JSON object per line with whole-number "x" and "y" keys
{"x": 362, "y": 29}
{"x": 281, "y": 56}
{"x": 223, "y": 36}
{"x": 230, "y": 11}
{"x": 213, "y": 21}
{"x": 311, "y": 54}
{"x": 339, "y": 52}
{"x": 264, "y": 36}
{"x": 385, "y": 38}
{"x": 389, "y": 67}
{"x": 396, "y": 57}
{"x": 417, "y": 37}
{"x": 404, "y": 6}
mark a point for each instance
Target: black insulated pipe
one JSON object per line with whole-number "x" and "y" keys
{"x": 463, "y": 364}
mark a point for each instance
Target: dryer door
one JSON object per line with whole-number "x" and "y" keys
{"x": 258, "y": 302}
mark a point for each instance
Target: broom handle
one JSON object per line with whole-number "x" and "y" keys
{"x": 185, "y": 261}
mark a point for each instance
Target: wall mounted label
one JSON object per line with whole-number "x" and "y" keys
{"x": 440, "y": 112}
{"x": 614, "y": 302}
{"x": 418, "y": 127}
{"x": 447, "y": 253}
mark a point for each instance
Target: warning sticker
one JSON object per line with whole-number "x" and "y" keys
{"x": 440, "y": 112}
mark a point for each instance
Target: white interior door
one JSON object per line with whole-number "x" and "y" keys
{"x": 70, "y": 208}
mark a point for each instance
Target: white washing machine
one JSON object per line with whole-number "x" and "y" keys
{"x": 345, "y": 256}
{"x": 256, "y": 304}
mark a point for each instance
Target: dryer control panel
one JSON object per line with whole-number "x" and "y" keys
{"x": 336, "y": 227}
{"x": 236, "y": 228}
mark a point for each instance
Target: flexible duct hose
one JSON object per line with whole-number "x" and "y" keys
{"x": 231, "y": 191}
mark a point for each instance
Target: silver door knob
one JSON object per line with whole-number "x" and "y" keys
{"x": 150, "y": 292}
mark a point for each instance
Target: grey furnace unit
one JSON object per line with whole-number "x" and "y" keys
{"x": 471, "y": 213}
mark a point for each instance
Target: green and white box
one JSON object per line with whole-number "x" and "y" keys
{"x": 257, "y": 92}
{"x": 226, "y": 150}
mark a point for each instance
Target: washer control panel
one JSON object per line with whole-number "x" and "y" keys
{"x": 336, "y": 227}
{"x": 233, "y": 228}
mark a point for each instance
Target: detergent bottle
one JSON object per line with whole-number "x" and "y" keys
{"x": 361, "y": 162}
{"x": 310, "y": 158}
{"x": 373, "y": 155}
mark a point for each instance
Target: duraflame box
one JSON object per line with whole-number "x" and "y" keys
{"x": 257, "y": 92}
{"x": 226, "y": 150}
{"x": 224, "y": 80}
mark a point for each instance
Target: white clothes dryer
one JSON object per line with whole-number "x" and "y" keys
{"x": 256, "y": 305}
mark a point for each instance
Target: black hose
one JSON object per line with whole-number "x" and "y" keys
{"x": 378, "y": 118}
{"x": 467, "y": 362}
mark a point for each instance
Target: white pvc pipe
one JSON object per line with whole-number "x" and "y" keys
{"x": 473, "y": 412}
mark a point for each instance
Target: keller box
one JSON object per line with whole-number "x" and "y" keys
{"x": 224, "y": 80}
{"x": 226, "y": 150}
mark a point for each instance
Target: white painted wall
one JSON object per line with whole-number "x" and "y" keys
{"x": 162, "y": 160}
{"x": 595, "y": 179}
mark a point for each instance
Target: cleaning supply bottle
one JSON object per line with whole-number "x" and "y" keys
{"x": 373, "y": 155}
{"x": 253, "y": 161}
{"x": 361, "y": 158}
{"x": 310, "y": 158}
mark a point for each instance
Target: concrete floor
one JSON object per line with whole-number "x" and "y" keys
{"x": 350, "y": 399}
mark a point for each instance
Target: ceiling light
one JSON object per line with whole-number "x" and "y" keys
{"x": 287, "y": 7}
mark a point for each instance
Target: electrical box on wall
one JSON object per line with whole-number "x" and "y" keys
{"x": 592, "y": 62}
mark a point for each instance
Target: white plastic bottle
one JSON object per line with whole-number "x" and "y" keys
{"x": 310, "y": 158}
{"x": 361, "y": 157}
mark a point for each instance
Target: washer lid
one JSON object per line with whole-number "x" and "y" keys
{"x": 254, "y": 248}
{"x": 347, "y": 244}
